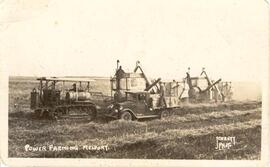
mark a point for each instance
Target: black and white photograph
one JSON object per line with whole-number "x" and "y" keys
{"x": 134, "y": 83}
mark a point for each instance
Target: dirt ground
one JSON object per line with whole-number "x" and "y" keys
{"x": 189, "y": 134}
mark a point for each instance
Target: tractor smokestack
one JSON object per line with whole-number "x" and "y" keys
{"x": 117, "y": 64}
{"x": 188, "y": 70}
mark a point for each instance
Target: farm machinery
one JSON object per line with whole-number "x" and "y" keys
{"x": 202, "y": 89}
{"x": 135, "y": 97}
{"x": 53, "y": 99}
{"x": 157, "y": 100}
{"x": 127, "y": 81}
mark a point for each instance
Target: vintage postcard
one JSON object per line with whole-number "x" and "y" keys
{"x": 134, "y": 83}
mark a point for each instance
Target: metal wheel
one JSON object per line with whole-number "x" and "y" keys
{"x": 91, "y": 112}
{"x": 164, "y": 114}
{"x": 126, "y": 116}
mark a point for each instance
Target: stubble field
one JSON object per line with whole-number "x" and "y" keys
{"x": 189, "y": 134}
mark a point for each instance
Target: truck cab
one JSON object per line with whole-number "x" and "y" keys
{"x": 137, "y": 105}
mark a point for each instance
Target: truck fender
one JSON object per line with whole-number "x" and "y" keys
{"x": 130, "y": 111}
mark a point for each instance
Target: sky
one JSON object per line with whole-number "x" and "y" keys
{"x": 85, "y": 38}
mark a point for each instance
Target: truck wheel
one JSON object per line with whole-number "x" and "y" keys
{"x": 164, "y": 114}
{"x": 126, "y": 116}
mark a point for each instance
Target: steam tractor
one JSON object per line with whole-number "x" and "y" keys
{"x": 53, "y": 99}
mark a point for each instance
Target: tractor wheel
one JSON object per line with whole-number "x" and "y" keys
{"x": 92, "y": 113}
{"x": 126, "y": 116}
{"x": 164, "y": 114}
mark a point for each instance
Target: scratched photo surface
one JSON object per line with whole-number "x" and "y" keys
{"x": 134, "y": 79}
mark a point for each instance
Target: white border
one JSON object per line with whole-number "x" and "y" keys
{"x": 265, "y": 154}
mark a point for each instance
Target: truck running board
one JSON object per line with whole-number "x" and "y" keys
{"x": 148, "y": 116}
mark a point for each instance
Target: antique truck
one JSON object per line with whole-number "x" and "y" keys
{"x": 64, "y": 98}
{"x": 138, "y": 105}
{"x": 156, "y": 101}
{"x": 136, "y": 98}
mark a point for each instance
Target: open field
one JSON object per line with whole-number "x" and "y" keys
{"x": 189, "y": 134}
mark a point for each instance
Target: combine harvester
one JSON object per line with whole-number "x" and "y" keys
{"x": 135, "y": 97}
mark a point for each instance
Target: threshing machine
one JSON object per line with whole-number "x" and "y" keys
{"x": 202, "y": 89}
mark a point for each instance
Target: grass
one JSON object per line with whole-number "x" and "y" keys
{"x": 122, "y": 135}
{"x": 189, "y": 134}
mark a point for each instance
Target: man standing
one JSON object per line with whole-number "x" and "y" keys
{"x": 162, "y": 94}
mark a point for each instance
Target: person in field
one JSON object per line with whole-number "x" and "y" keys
{"x": 162, "y": 94}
